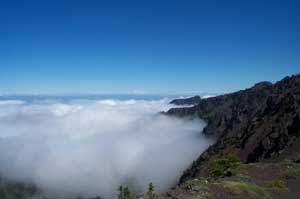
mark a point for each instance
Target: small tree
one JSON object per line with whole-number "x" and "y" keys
{"x": 126, "y": 193}
{"x": 150, "y": 191}
{"x": 120, "y": 195}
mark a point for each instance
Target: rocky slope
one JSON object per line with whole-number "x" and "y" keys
{"x": 187, "y": 101}
{"x": 261, "y": 123}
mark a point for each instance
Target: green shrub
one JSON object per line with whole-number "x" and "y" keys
{"x": 150, "y": 191}
{"x": 225, "y": 166}
{"x": 125, "y": 193}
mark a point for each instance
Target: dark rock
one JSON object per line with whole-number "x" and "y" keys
{"x": 187, "y": 101}
{"x": 259, "y": 123}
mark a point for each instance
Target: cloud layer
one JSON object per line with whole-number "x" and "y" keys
{"x": 91, "y": 147}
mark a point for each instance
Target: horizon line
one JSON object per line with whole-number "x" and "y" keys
{"x": 108, "y": 93}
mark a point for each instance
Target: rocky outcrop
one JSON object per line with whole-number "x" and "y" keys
{"x": 187, "y": 101}
{"x": 259, "y": 123}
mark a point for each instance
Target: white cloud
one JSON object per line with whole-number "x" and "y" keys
{"x": 11, "y": 102}
{"x": 91, "y": 147}
{"x": 138, "y": 92}
{"x": 208, "y": 96}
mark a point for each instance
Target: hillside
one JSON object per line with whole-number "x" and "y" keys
{"x": 228, "y": 179}
{"x": 259, "y": 124}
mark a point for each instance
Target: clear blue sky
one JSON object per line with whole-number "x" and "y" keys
{"x": 70, "y": 46}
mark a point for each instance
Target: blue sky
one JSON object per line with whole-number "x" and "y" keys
{"x": 154, "y": 46}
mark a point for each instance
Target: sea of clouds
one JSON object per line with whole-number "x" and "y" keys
{"x": 90, "y": 147}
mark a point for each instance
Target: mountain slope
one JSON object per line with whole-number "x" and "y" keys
{"x": 259, "y": 123}
{"x": 246, "y": 181}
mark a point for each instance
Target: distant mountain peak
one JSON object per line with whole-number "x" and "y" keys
{"x": 187, "y": 101}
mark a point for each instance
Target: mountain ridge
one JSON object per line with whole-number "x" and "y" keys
{"x": 258, "y": 123}
{"x": 257, "y": 152}
{"x": 187, "y": 101}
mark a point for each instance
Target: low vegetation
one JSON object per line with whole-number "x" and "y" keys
{"x": 125, "y": 193}
{"x": 224, "y": 166}
{"x": 278, "y": 186}
{"x": 10, "y": 190}
{"x": 237, "y": 188}
{"x": 260, "y": 180}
